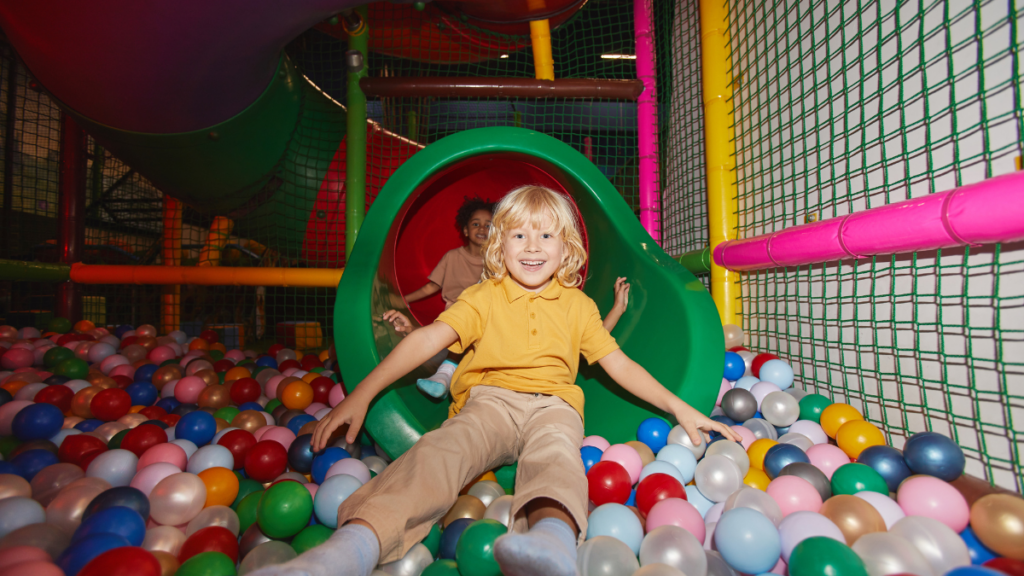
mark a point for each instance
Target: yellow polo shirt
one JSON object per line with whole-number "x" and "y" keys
{"x": 524, "y": 341}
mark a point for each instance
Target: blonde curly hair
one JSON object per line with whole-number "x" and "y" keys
{"x": 531, "y": 204}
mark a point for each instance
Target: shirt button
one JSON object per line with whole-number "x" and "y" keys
{"x": 534, "y": 331}
{"x": 532, "y": 315}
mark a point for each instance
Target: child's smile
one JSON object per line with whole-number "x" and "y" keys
{"x": 532, "y": 255}
{"x": 478, "y": 228}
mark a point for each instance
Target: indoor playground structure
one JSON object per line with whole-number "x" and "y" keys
{"x": 819, "y": 206}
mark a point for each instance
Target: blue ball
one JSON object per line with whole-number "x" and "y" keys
{"x": 88, "y": 425}
{"x": 591, "y": 455}
{"x": 617, "y": 521}
{"x": 168, "y": 404}
{"x": 76, "y": 556}
{"x": 934, "y": 454}
{"x": 781, "y": 455}
{"x": 888, "y": 462}
{"x": 631, "y": 501}
{"x": 8, "y": 468}
{"x": 778, "y": 372}
{"x": 748, "y": 541}
{"x": 266, "y": 361}
{"x": 121, "y": 330}
{"x": 330, "y": 495}
{"x": 654, "y": 433}
{"x": 198, "y": 427}
{"x": 734, "y": 366}
{"x": 681, "y": 457}
{"x": 250, "y": 406}
{"x": 30, "y": 462}
{"x": 699, "y": 501}
{"x": 724, "y": 420}
{"x": 296, "y": 423}
{"x": 142, "y": 393}
{"x": 37, "y": 422}
{"x": 974, "y": 571}
{"x": 119, "y": 496}
{"x": 300, "y": 454}
{"x": 450, "y": 537}
{"x": 367, "y": 450}
{"x": 185, "y": 408}
{"x": 118, "y": 520}
{"x": 323, "y": 461}
{"x": 978, "y": 552}
{"x": 145, "y": 373}
{"x": 746, "y": 382}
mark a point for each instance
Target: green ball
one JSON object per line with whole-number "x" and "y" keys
{"x": 246, "y": 486}
{"x": 317, "y": 370}
{"x": 310, "y": 537}
{"x": 246, "y": 362}
{"x": 169, "y": 362}
{"x": 207, "y": 564}
{"x": 433, "y": 540}
{"x": 256, "y": 370}
{"x": 55, "y": 356}
{"x": 271, "y": 405}
{"x": 72, "y": 368}
{"x": 812, "y": 405}
{"x": 284, "y": 510}
{"x": 59, "y": 325}
{"x": 852, "y": 478}
{"x": 8, "y": 445}
{"x": 115, "y": 441}
{"x": 475, "y": 551}
{"x": 227, "y": 413}
{"x": 441, "y": 568}
{"x": 247, "y": 509}
{"x": 216, "y": 355}
{"x": 820, "y": 555}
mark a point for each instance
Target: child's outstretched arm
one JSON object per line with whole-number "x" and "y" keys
{"x": 428, "y": 290}
{"x": 621, "y": 300}
{"x": 641, "y": 384}
{"x": 416, "y": 349}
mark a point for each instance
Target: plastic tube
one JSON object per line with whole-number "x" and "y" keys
{"x": 647, "y": 119}
{"x": 207, "y": 276}
{"x": 170, "y": 317}
{"x": 355, "y": 151}
{"x": 984, "y": 213}
{"x": 21, "y": 271}
{"x": 540, "y": 37}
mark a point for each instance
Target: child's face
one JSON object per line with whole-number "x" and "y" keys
{"x": 532, "y": 255}
{"x": 478, "y": 227}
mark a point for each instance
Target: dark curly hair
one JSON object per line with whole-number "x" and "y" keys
{"x": 468, "y": 208}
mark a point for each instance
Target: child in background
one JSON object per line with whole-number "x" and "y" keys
{"x": 522, "y": 329}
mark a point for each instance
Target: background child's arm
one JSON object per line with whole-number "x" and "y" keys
{"x": 429, "y": 290}
{"x": 621, "y": 300}
{"x": 400, "y": 321}
{"x": 632, "y": 377}
{"x": 416, "y": 349}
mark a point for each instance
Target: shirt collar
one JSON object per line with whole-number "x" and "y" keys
{"x": 514, "y": 292}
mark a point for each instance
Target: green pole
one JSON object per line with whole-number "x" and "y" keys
{"x": 697, "y": 261}
{"x": 355, "y": 155}
{"x": 21, "y": 271}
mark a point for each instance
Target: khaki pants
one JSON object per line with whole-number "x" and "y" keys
{"x": 496, "y": 427}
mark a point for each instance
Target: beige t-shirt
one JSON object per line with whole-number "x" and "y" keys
{"x": 456, "y": 271}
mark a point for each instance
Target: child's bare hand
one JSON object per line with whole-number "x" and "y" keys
{"x": 621, "y": 293}
{"x": 694, "y": 423}
{"x": 399, "y": 320}
{"x": 351, "y": 411}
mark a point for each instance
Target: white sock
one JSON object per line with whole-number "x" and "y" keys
{"x": 437, "y": 385}
{"x": 353, "y": 550}
{"x": 548, "y": 549}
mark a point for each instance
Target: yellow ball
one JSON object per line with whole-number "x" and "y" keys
{"x": 757, "y": 479}
{"x": 834, "y": 416}
{"x": 857, "y": 435}
{"x": 757, "y": 451}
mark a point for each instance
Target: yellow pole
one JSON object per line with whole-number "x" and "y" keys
{"x": 171, "y": 296}
{"x": 719, "y": 144}
{"x": 540, "y": 38}
{"x": 216, "y": 240}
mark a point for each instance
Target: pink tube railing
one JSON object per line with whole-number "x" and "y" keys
{"x": 984, "y": 213}
{"x": 647, "y": 119}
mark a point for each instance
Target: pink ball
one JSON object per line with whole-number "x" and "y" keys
{"x": 82, "y": 352}
{"x": 312, "y": 488}
{"x": 290, "y": 372}
{"x": 314, "y": 408}
{"x": 936, "y": 499}
{"x": 167, "y": 453}
{"x": 827, "y": 458}
{"x": 161, "y": 354}
{"x": 714, "y": 514}
{"x": 261, "y": 431}
{"x": 17, "y": 358}
{"x": 279, "y": 434}
{"x": 725, "y": 387}
{"x": 810, "y": 429}
{"x": 270, "y": 389}
{"x": 597, "y": 442}
{"x": 188, "y": 389}
{"x": 147, "y": 478}
{"x": 18, "y": 554}
{"x": 33, "y": 568}
{"x": 627, "y": 457}
{"x": 123, "y": 370}
{"x": 887, "y": 507}
{"x": 794, "y": 494}
{"x": 762, "y": 389}
{"x": 677, "y": 512}
{"x": 112, "y": 361}
{"x": 168, "y": 390}
{"x": 8, "y": 412}
{"x": 746, "y": 436}
{"x": 100, "y": 352}
{"x": 335, "y": 396}
{"x": 350, "y": 466}
{"x": 235, "y": 356}
{"x": 29, "y": 332}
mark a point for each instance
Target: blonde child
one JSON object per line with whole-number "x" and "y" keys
{"x": 514, "y": 398}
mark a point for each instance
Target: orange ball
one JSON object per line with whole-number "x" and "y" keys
{"x": 136, "y": 409}
{"x": 199, "y": 344}
{"x": 13, "y": 386}
{"x": 237, "y": 373}
{"x": 297, "y": 395}
{"x": 310, "y": 377}
{"x": 757, "y": 479}
{"x": 857, "y": 435}
{"x": 757, "y": 451}
{"x": 84, "y": 326}
{"x": 325, "y": 356}
{"x": 219, "y": 346}
{"x": 221, "y": 486}
{"x": 835, "y": 415}
{"x": 81, "y": 402}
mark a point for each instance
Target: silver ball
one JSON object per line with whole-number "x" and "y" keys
{"x": 780, "y": 409}
{"x": 677, "y": 435}
{"x": 675, "y": 547}
{"x": 739, "y": 404}
{"x": 810, "y": 473}
{"x": 733, "y": 451}
{"x": 761, "y": 429}
{"x": 415, "y": 561}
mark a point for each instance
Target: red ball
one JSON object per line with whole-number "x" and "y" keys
{"x": 210, "y": 336}
{"x": 759, "y": 360}
{"x": 654, "y": 489}
{"x": 223, "y": 365}
{"x": 169, "y": 419}
{"x": 142, "y": 438}
{"x": 59, "y": 395}
{"x": 122, "y": 381}
{"x": 210, "y": 539}
{"x": 322, "y": 389}
{"x": 1006, "y": 566}
{"x": 268, "y": 460}
{"x": 245, "y": 390}
{"x": 288, "y": 364}
{"x": 124, "y": 561}
{"x": 608, "y": 482}
{"x": 738, "y": 349}
{"x": 310, "y": 361}
{"x": 74, "y": 449}
{"x": 239, "y": 443}
{"x": 274, "y": 349}
{"x": 110, "y": 404}
{"x": 128, "y": 341}
{"x": 153, "y": 412}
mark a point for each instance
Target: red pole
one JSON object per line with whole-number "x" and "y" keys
{"x": 71, "y": 212}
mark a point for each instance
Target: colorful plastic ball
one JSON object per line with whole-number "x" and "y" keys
{"x": 197, "y": 427}
{"x": 827, "y": 458}
{"x": 295, "y": 424}
{"x": 266, "y": 362}
{"x": 38, "y": 421}
{"x": 888, "y": 462}
{"x": 778, "y": 372}
{"x": 267, "y": 460}
{"x": 855, "y": 436}
{"x": 758, "y": 361}
{"x": 210, "y": 539}
{"x": 323, "y": 462}
{"x": 110, "y": 404}
{"x": 239, "y": 442}
{"x": 988, "y": 570}
{"x": 126, "y": 561}
{"x": 296, "y": 395}
{"x": 627, "y": 457}
{"x": 313, "y": 536}
{"x": 835, "y": 415}
{"x": 781, "y": 455}
{"x": 608, "y": 482}
{"x": 57, "y": 395}
{"x": 177, "y": 499}
{"x": 19, "y": 511}
{"x": 207, "y": 564}
{"x": 142, "y": 393}
{"x": 604, "y": 555}
{"x": 794, "y": 494}
{"x": 978, "y": 552}
{"x": 76, "y": 556}
{"x": 73, "y": 368}
{"x": 1008, "y": 566}
{"x": 332, "y": 492}
{"x": 30, "y": 462}
{"x": 739, "y": 404}
{"x": 56, "y": 355}
{"x": 16, "y": 358}
{"x": 89, "y": 425}
{"x": 450, "y": 538}
{"x": 855, "y": 477}
{"x": 115, "y": 466}
{"x": 934, "y": 454}
{"x": 734, "y": 366}
{"x": 145, "y": 373}
{"x": 617, "y": 521}
{"x": 284, "y": 509}
{"x": 748, "y": 540}
{"x": 823, "y": 555}
{"x": 812, "y": 405}
{"x": 654, "y": 433}
{"x": 245, "y": 390}
{"x": 474, "y": 553}
{"x": 167, "y": 404}
{"x": 119, "y": 520}
{"x": 654, "y": 489}
{"x": 717, "y": 477}
{"x": 591, "y": 455}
